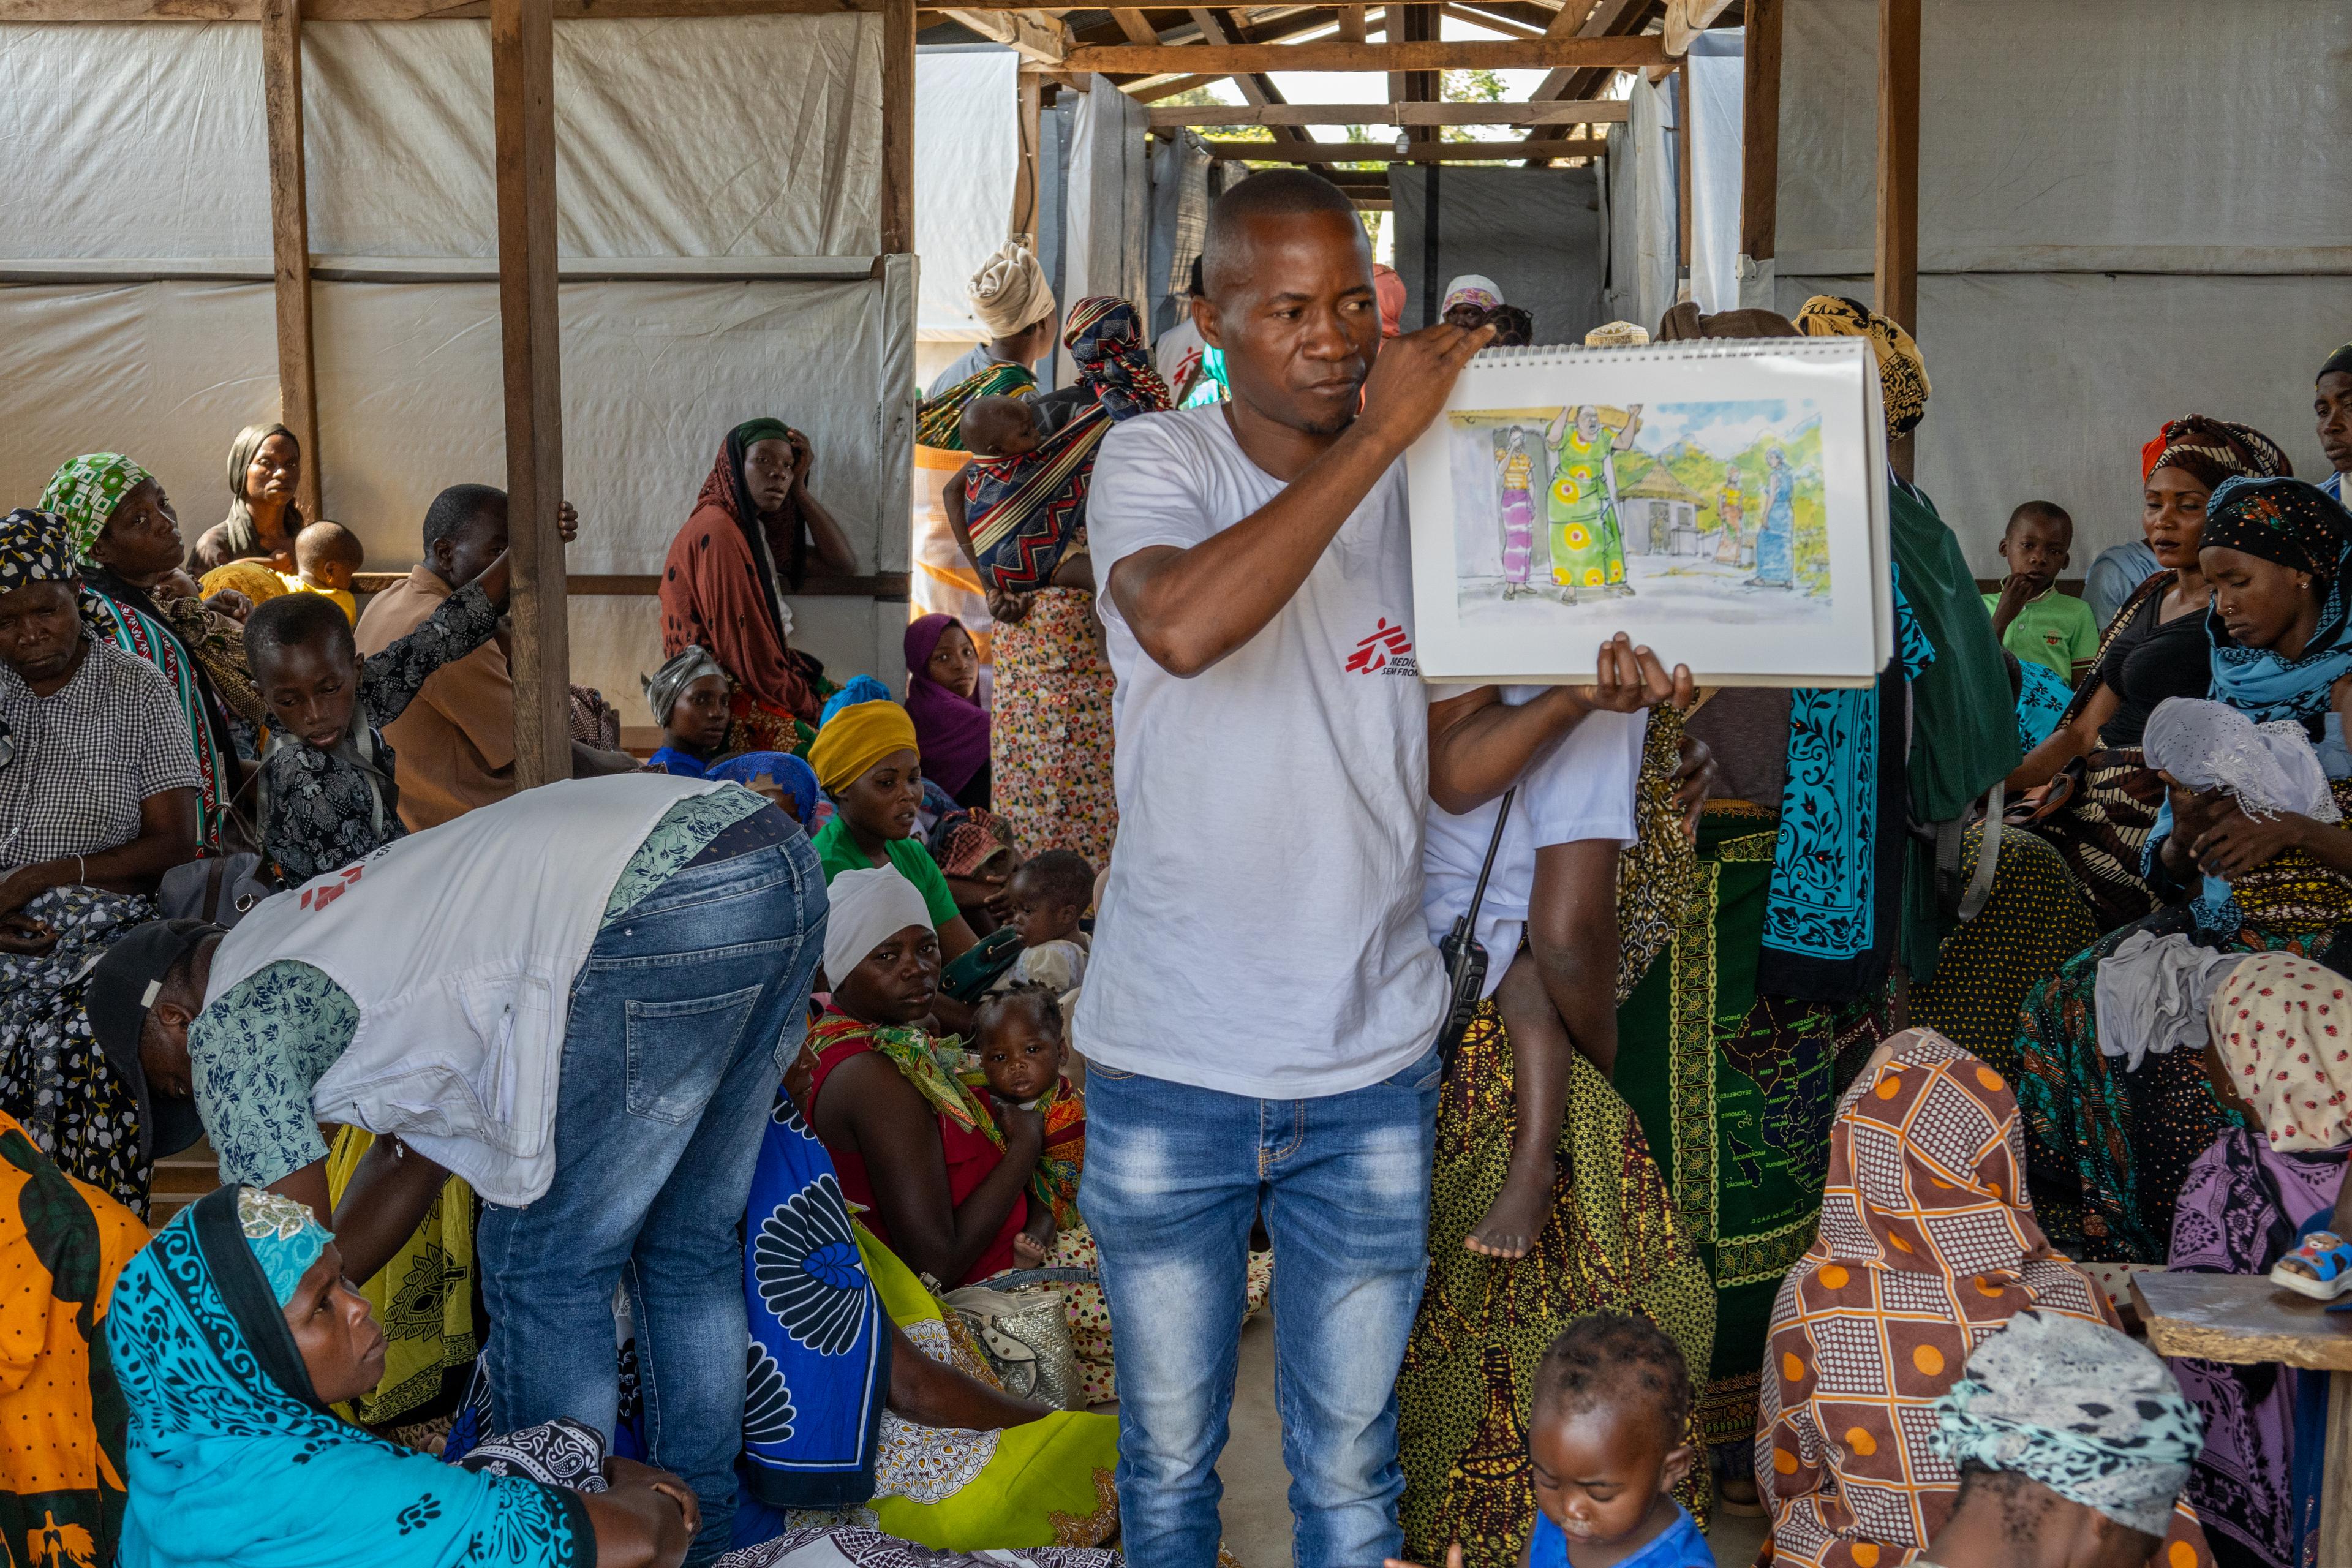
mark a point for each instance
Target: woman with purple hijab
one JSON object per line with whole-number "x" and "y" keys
{"x": 2276, "y": 1058}
{"x": 943, "y": 700}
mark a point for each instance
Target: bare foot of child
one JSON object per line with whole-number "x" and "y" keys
{"x": 1516, "y": 1216}
{"x": 1027, "y": 1250}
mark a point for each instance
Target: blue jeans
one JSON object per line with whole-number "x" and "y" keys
{"x": 681, "y": 1023}
{"x": 1174, "y": 1176}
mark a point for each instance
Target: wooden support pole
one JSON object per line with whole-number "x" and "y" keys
{"x": 523, "y": 91}
{"x": 1351, "y": 24}
{"x": 1686, "y": 220}
{"x": 1024, "y": 178}
{"x": 290, "y": 238}
{"x": 1760, "y": 133}
{"x": 1897, "y": 271}
{"x": 1422, "y": 27}
{"x": 898, "y": 125}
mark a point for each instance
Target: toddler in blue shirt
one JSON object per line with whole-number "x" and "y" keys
{"x": 1608, "y": 1441}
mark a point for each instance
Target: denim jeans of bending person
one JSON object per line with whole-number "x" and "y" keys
{"x": 681, "y": 1023}
{"x": 1173, "y": 1176}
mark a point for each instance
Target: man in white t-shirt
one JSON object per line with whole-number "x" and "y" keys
{"x": 1263, "y": 1002}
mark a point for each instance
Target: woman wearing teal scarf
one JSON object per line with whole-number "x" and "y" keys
{"x": 2109, "y": 1146}
{"x": 230, "y": 1337}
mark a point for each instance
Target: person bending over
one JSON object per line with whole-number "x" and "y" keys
{"x": 329, "y": 791}
{"x": 232, "y": 1336}
{"x": 2073, "y": 1444}
{"x": 326, "y": 554}
{"x": 577, "y": 999}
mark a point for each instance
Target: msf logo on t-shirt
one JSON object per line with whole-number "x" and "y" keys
{"x": 1387, "y": 649}
{"x": 317, "y": 897}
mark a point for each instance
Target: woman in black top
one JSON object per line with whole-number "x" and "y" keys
{"x": 2104, "y": 800}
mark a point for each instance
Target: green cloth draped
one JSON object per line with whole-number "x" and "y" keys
{"x": 1963, "y": 728}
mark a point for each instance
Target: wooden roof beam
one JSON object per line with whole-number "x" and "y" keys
{"x": 1042, "y": 39}
{"x": 1391, "y": 114}
{"x": 1330, "y": 55}
{"x": 1255, "y": 87}
{"x": 1230, "y": 152}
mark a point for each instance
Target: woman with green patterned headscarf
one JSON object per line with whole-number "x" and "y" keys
{"x": 127, "y": 537}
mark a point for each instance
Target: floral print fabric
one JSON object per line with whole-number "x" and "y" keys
{"x": 1050, "y": 731}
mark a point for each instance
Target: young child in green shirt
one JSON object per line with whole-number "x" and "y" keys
{"x": 2032, "y": 619}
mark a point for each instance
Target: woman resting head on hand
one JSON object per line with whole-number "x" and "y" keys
{"x": 231, "y": 1335}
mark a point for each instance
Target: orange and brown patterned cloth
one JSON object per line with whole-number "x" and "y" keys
{"x": 1925, "y": 1250}
{"x": 62, "y": 1417}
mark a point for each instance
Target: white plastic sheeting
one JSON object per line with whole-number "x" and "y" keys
{"x": 1536, "y": 233}
{"x": 967, "y": 159}
{"x": 1643, "y": 244}
{"x": 1106, "y": 226}
{"x": 1718, "y": 68}
{"x": 139, "y": 150}
{"x": 2132, "y": 214}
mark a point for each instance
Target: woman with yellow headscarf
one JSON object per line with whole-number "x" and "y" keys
{"x": 866, "y": 760}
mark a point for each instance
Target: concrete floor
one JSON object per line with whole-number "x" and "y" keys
{"x": 1258, "y": 1505}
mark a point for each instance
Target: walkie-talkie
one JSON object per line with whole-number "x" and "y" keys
{"x": 1465, "y": 956}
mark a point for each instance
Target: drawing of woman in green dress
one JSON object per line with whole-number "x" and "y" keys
{"x": 1587, "y": 545}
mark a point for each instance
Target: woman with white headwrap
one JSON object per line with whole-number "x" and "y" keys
{"x": 2073, "y": 1444}
{"x": 1014, "y": 305}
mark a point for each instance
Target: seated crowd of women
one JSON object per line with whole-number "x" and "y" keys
{"x": 1752, "y": 1062}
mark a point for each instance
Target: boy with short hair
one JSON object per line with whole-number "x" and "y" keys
{"x": 1047, "y": 895}
{"x": 328, "y": 794}
{"x": 998, "y": 427}
{"x": 1609, "y": 1440}
{"x": 326, "y": 554}
{"x": 2031, "y": 617}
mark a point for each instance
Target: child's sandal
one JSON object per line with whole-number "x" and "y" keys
{"x": 2329, "y": 1259}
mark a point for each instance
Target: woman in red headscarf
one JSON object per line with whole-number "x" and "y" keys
{"x": 720, "y": 586}
{"x": 2104, "y": 800}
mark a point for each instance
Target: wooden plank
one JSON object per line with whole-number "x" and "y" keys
{"x": 1432, "y": 55}
{"x": 1759, "y": 131}
{"x": 1391, "y": 114}
{"x": 1503, "y": 24}
{"x": 1169, "y": 87}
{"x": 1257, "y": 87}
{"x": 290, "y": 238}
{"x": 1230, "y": 152}
{"x": 522, "y": 93}
{"x": 1601, "y": 19}
{"x": 1420, "y": 25}
{"x": 1024, "y": 177}
{"x": 2240, "y": 1317}
{"x": 897, "y": 126}
{"x": 1687, "y": 19}
{"x": 1136, "y": 26}
{"x": 1351, "y": 24}
{"x": 1033, "y": 38}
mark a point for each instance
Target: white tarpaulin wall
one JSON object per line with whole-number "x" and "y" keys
{"x": 967, "y": 159}
{"x": 2128, "y": 213}
{"x": 138, "y": 203}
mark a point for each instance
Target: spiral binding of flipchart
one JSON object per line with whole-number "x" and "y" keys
{"x": 1541, "y": 356}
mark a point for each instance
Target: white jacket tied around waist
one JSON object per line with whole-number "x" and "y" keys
{"x": 458, "y": 946}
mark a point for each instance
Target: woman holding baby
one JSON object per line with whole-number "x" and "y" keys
{"x": 2245, "y": 864}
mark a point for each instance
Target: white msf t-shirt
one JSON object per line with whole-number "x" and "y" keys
{"x": 1261, "y": 933}
{"x": 1579, "y": 787}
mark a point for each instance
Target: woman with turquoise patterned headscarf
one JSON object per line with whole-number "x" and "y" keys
{"x": 231, "y": 1336}
{"x": 126, "y": 538}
